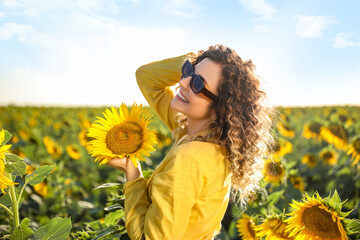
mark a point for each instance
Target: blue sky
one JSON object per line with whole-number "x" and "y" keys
{"x": 86, "y": 52}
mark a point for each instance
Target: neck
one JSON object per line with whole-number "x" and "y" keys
{"x": 196, "y": 126}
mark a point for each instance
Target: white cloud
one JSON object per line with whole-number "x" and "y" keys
{"x": 2, "y": 14}
{"x": 35, "y": 8}
{"x": 181, "y": 8}
{"x": 13, "y": 30}
{"x": 90, "y": 59}
{"x": 342, "y": 40}
{"x": 262, "y": 28}
{"x": 313, "y": 26}
{"x": 263, "y": 9}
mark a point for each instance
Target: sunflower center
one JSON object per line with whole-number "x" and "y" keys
{"x": 315, "y": 127}
{"x": 123, "y": 138}
{"x": 274, "y": 169}
{"x": 327, "y": 155}
{"x": 319, "y": 222}
{"x": 338, "y": 131}
{"x": 356, "y": 145}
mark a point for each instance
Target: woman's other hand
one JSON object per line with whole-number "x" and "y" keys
{"x": 127, "y": 166}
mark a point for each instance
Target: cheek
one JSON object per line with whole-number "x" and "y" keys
{"x": 200, "y": 109}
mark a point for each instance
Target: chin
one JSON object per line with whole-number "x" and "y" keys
{"x": 174, "y": 105}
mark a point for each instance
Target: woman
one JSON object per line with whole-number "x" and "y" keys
{"x": 220, "y": 127}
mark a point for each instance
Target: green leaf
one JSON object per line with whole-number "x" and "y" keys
{"x": 106, "y": 231}
{"x": 22, "y": 232}
{"x": 125, "y": 236}
{"x": 7, "y": 138}
{"x": 10, "y": 157}
{"x": 57, "y": 229}
{"x": 353, "y": 225}
{"x": 120, "y": 200}
{"x": 275, "y": 196}
{"x": 335, "y": 197}
{"x": 39, "y": 174}
{"x": 5, "y": 200}
{"x": 113, "y": 207}
{"x": 147, "y": 173}
{"x": 18, "y": 168}
{"x": 112, "y": 217}
{"x": 108, "y": 185}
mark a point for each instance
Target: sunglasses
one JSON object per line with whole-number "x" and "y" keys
{"x": 196, "y": 82}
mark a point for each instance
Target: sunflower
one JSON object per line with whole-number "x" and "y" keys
{"x": 41, "y": 189}
{"x": 52, "y": 148}
{"x": 335, "y": 134}
{"x": 24, "y": 135}
{"x": 328, "y": 156}
{"x": 73, "y": 151}
{"x": 281, "y": 148}
{"x": 273, "y": 170}
{"x": 310, "y": 160}
{"x": 285, "y": 130}
{"x": 274, "y": 229}
{"x": 314, "y": 219}
{"x": 57, "y": 125}
{"x": 298, "y": 182}
{"x": 121, "y": 134}
{"x": 246, "y": 227}
{"x": 312, "y": 130}
{"x": 82, "y": 137}
{"x": 5, "y": 181}
{"x": 354, "y": 150}
{"x": 32, "y": 122}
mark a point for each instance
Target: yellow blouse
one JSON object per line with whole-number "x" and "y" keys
{"x": 188, "y": 193}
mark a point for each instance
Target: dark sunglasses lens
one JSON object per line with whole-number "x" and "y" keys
{"x": 187, "y": 69}
{"x": 196, "y": 84}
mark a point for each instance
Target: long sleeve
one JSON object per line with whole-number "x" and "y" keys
{"x": 136, "y": 206}
{"x": 154, "y": 80}
{"x": 175, "y": 191}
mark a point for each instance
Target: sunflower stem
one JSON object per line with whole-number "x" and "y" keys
{"x": 15, "y": 207}
{"x": 21, "y": 192}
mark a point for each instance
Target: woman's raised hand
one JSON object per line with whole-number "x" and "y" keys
{"x": 126, "y": 165}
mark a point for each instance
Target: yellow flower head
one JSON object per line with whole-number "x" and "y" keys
{"x": 335, "y": 134}
{"x": 313, "y": 219}
{"x": 274, "y": 229}
{"x": 82, "y": 137}
{"x": 312, "y": 130}
{"x": 3, "y": 149}
{"x": 245, "y": 226}
{"x": 285, "y": 130}
{"x": 310, "y": 160}
{"x": 52, "y": 148}
{"x": 73, "y": 151}
{"x": 354, "y": 150}
{"x": 4, "y": 180}
{"x": 298, "y": 182}
{"x": 121, "y": 134}
{"x": 281, "y": 147}
{"x": 273, "y": 170}
{"x": 328, "y": 156}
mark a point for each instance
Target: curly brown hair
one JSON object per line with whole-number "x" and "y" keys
{"x": 242, "y": 122}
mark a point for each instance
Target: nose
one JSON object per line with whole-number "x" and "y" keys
{"x": 185, "y": 83}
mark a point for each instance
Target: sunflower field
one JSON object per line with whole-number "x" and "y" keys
{"x": 52, "y": 188}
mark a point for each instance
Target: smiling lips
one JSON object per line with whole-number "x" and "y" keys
{"x": 182, "y": 98}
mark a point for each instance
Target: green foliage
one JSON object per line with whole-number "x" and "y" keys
{"x": 23, "y": 231}
{"x": 57, "y": 229}
{"x": 92, "y": 195}
{"x": 38, "y": 175}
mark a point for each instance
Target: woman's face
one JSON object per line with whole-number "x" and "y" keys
{"x": 196, "y": 106}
